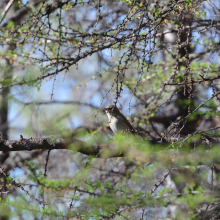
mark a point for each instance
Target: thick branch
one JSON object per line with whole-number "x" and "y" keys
{"x": 49, "y": 144}
{"x": 89, "y": 149}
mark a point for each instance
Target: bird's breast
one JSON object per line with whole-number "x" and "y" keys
{"x": 117, "y": 124}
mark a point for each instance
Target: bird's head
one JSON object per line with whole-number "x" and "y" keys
{"x": 112, "y": 110}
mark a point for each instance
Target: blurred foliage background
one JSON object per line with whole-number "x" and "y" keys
{"x": 63, "y": 61}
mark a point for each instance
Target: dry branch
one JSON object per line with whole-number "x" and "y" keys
{"x": 50, "y": 144}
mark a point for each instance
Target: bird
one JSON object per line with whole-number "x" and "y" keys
{"x": 117, "y": 121}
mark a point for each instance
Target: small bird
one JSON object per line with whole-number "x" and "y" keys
{"x": 117, "y": 121}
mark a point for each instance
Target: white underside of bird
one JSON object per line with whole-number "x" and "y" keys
{"x": 116, "y": 124}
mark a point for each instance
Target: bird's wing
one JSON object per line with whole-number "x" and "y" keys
{"x": 128, "y": 124}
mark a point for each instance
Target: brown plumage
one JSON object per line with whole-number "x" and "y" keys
{"x": 117, "y": 121}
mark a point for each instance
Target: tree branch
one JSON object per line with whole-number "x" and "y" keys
{"x": 2, "y": 16}
{"x": 50, "y": 144}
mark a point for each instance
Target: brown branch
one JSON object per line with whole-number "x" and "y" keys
{"x": 80, "y": 146}
{"x": 58, "y": 102}
{"x": 18, "y": 185}
{"x": 47, "y": 159}
{"x": 49, "y": 144}
{"x": 156, "y": 185}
